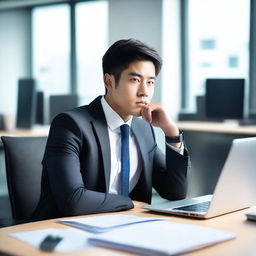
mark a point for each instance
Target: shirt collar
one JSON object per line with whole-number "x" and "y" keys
{"x": 114, "y": 121}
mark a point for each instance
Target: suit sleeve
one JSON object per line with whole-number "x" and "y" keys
{"x": 170, "y": 173}
{"x": 62, "y": 163}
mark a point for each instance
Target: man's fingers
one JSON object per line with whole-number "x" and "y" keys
{"x": 146, "y": 114}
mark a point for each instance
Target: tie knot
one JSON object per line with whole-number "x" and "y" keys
{"x": 125, "y": 130}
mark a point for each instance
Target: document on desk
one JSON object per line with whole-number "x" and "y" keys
{"x": 161, "y": 238}
{"x": 71, "y": 239}
{"x": 103, "y": 223}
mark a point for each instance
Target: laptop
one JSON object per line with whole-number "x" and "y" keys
{"x": 235, "y": 188}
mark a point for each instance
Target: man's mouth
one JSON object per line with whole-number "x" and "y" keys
{"x": 141, "y": 103}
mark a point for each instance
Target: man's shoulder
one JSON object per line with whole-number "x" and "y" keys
{"x": 78, "y": 111}
{"x": 75, "y": 113}
{"x": 85, "y": 112}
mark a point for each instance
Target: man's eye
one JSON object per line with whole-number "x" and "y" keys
{"x": 135, "y": 80}
{"x": 151, "y": 82}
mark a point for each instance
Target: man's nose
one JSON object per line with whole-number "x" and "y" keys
{"x": 143, "y": 89}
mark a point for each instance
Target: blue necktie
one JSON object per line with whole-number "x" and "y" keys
{"x": 125, "y": 159}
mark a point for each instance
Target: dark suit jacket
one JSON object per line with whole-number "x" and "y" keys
{"x": 76, "y": 166}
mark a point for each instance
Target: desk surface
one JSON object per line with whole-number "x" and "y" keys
{"x": 243, "y": 244}
{"x": 233, "y": 128}
{"x": 33, "y": 132}
{"x": 184, "y": 125}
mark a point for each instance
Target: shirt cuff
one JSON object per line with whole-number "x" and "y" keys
{"x": 178, "y": 150}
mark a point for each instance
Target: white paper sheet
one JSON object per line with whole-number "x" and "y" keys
{"x": 161, "y": 238}
{"x": 105, "y": 223}
{"x": 72, "y": 239}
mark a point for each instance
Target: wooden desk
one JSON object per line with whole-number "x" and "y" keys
{"x": 229, "y": 128}
{"x": 233, "y": 222}
{"x": 36, "y": 131}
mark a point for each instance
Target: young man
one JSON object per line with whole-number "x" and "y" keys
{"x": 82, "y": 161}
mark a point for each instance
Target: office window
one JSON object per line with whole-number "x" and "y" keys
{"x": 91, "y": 42}
{"x": 51, "y": 48}
{"x": 217, "y": 43}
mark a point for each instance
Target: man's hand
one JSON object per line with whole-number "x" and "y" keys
{"x": 155, "y": 114}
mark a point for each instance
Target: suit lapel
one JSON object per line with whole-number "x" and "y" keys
{"x": 142, "y": 143}
{"x": 100, "y": 125}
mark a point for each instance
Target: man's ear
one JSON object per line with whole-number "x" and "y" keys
{"x": 108, "y": 81}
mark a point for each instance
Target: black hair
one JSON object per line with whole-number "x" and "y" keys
{"x": 123, "y": 52}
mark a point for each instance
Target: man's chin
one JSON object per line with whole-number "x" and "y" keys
{"x": 137, "y": 113}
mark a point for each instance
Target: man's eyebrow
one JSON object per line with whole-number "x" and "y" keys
{"x": 139, "y": 75}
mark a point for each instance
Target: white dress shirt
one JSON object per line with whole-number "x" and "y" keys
{"x": 114, "y": 121}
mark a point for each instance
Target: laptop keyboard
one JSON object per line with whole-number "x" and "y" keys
{"x": 200, "y": 207}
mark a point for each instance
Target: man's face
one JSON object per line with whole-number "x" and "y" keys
{"x": 134, "y": 89}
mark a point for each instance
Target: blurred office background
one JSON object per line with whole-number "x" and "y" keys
{"x": 57, "y": 45}
{"x": 60, "y": 44}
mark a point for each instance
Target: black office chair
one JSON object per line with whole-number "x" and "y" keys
{"x": 23, "y": 156}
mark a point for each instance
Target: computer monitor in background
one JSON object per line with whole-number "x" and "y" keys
{"x": 225, "y": 98}
{"x": 26, "y": 105}
{"x": 61, "y": 103}
{"x": 39, "y": 108}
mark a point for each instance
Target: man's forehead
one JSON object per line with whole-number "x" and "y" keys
{"x": 139, "y": 75}
{"x": 141, "y": 68}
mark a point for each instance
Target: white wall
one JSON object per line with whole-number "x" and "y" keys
{"x": 139, "y": 19}
{"x": 14, "y": 56}
{"x": 171, "y": 53}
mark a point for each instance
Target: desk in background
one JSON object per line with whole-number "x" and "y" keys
{"x": 235, "y": 222}
{"x": 36, "y": 131}
{"x": 217, "y": 127}
{"x": 209, "y": 144}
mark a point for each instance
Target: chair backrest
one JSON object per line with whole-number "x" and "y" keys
{"x": 23, "y": 156}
